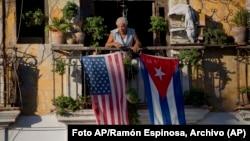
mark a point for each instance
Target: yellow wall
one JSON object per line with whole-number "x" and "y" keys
{"x": 37, "y": 77}
{"x": 218, "y": 12}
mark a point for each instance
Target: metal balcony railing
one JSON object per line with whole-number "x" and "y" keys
{"x": 9, "y": 81}
{"x": 74, "y": 81}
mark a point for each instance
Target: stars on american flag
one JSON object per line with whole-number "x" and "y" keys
{"x": 98, "y": 79}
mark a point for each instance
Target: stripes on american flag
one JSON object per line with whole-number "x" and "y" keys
{"x": 106, "y": 82}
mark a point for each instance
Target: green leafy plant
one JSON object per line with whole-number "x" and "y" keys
{"x": 158, "y": 24}
{"x": 133, "y": 100}
{"x": 33, "y": 17}
{"x": 84, "y": 102}
{"x": 196, "y": 97}
{"x": 132, "y": 96}
{"x": 60, "y": 67}
{"x": 241, "y": 17}
{"x": 218, "y": 35}
{"x": 189, "y": 57}
{"x": 130, "y": 70}
{"x": 66, "y": 104}
{"x": 95, "y": 28}
{"x": 244, "y": 89}
{"x": 70, "y": 10}
{"x": 58, "y": 24}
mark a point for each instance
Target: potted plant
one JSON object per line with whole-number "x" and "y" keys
{"x": 240, "y": 23}
{"x": 158, "y": 24}
{"x": 58, "y": 29}
{"x": 96, "y": 30}
{"x": 78, "y": 31}
{"x": 66, "y": 105}
{"x": 244, "y": 91}
{"x": 216, "y": 36}
{"x": 33, "y": 17}
{"x": 70, "y": 38}
{"x": 70, "y": 10}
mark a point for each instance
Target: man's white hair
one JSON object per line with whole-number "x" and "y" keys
{"x": 122, "y": 20}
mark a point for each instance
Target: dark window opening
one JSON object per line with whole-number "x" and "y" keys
{"x": 163, "y": 33}
{"x": 138, "y": 14}
{"x": 32, "y": 34}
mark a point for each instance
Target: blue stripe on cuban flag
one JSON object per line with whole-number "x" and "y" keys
{"x": 163, "y": 90}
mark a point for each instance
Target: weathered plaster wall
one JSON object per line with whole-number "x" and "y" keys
{"x": 220, "y": 71}
{"x": 36, "y": 64}
{"x": 10, "y": 24}
{"x": 220, "y": 67}
{"x": 218, "y": 12}
{"x": 36, "y": 77}
{"x": 220, "y": 77}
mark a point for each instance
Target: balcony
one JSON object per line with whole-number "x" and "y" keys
{"x": 73, "y": 81}
{"x": 72, "y": 54}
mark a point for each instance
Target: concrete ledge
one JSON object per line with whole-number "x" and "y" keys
{"x": 245, "y": 114}
{"x": 8, "y": 117}
{"x": 193, "y": 115}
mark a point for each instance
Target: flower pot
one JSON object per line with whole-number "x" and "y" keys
{"x": 213, "y": 41}
{"x": 244, "y": 99}
{"x": 70, "y": 38}
{"x": 70, "y": 41}
{"x": 80, "y": 36}
{"x": 58, "y": 37}
{"x": 240, "y": 35}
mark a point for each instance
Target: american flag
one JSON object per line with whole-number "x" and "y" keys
{"x": 163, "y": 89}
{"x": 106, "y": 82}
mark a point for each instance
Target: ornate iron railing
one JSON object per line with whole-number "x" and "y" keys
{"x": 75, "y": 81}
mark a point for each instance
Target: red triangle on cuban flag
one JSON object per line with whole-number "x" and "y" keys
{"x": 160, "y": 71}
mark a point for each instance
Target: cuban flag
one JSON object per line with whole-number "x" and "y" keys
{"x": 106, "y": 83}
{"x": 163, "y": 89}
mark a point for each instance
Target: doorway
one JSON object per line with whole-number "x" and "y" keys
{"x": 138, "y": 15}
